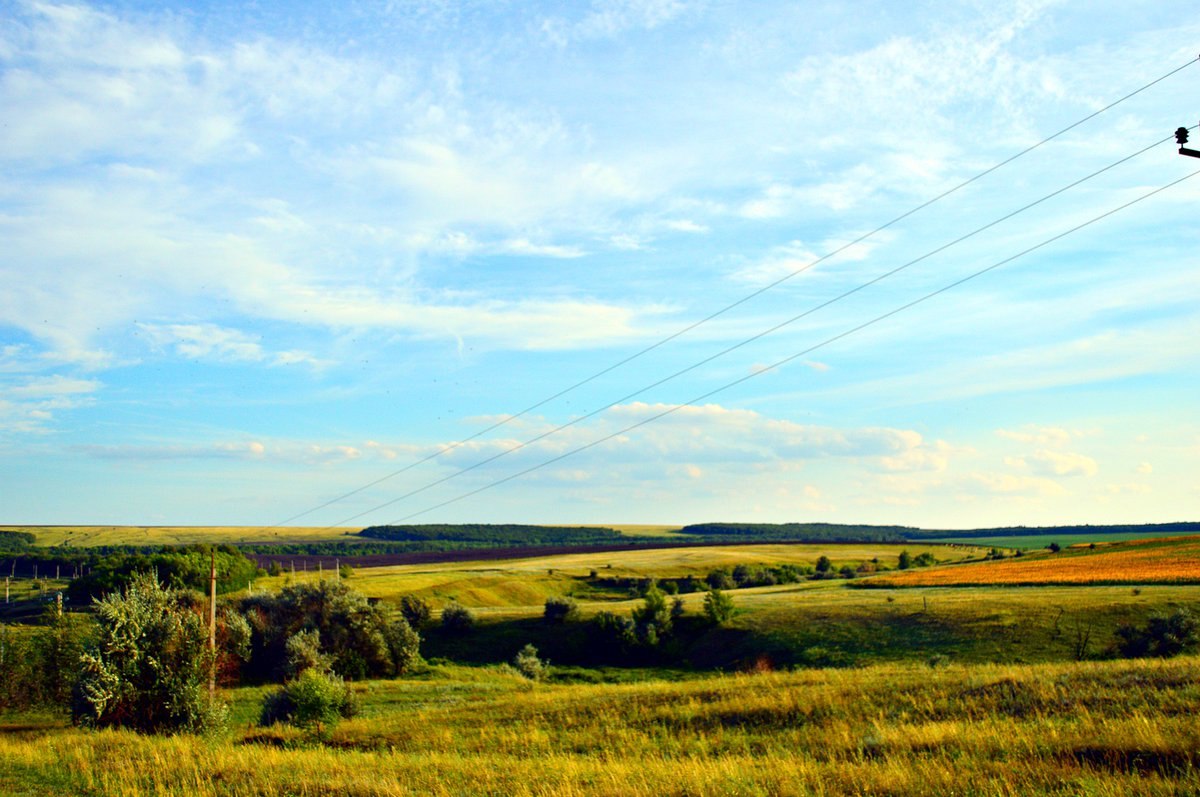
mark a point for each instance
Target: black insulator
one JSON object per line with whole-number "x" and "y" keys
{"x": 1181, "y": 136}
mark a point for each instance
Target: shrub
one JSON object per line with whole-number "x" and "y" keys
{"x": 315, "y": 699}
{"x": 652, "y": 620}
{"x": 404, "y": 645}
{"x": 149, "y": 668}
{"x": 720, "y": 579}
{"x": 457, "y": 618}
{"x": 718, "y": 607}
{"x": 528, "y": 664}
{"x": 1164, "y": 636}
{"x": 905, "y": 560}
{"x": 824, "y": 565}
{"x": 559, "y": 610}
{"x": 416, "y": 611}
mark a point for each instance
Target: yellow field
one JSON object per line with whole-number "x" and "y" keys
{"x": 1169, "y": 560}
{"x": 90, "y": 536}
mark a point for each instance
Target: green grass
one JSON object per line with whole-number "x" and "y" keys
{"x": 1107, "y": 728}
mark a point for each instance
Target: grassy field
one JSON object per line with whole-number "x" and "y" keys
{"x": 91, "y": 536}
{"x": 518, "y": 586}
{"x": 1154, "y": 561}
{"x": 1109, "y": 728}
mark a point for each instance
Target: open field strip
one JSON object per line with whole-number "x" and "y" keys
{"x": 1105, "y": 728}
{"x": 91, "y": 536}
{"x": 1164, "y": 560}
{"x": 1038, "y": 541}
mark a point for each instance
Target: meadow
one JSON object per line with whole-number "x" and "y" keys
{"x": 960, "y": 678}
{"x": 1103, "y": 728}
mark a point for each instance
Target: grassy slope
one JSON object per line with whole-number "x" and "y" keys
{"x": 1110, "y": 728}
{"x": 516, "y": 587}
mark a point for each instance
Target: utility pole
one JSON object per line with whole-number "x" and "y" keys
{"x": 1181, "y": 138}
{"x": 212, "y": 627}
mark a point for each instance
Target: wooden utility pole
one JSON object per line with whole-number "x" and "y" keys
{"x": 6, "y": 589}
{"x": 212, "y": 627}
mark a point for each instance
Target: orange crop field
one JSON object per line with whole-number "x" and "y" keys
{"x": 1157, "y": 561}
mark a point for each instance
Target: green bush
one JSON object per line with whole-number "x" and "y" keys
{"x": 457, "y": 618}
{"x": 315, "y": 699}
{"x": 718, "y": 607}
{"x": 149, "y": 668}
{"x": 1164, "y": 636}
{"x": 528, "y": 664}
{"x": 416, "y": 611}
{"x": 559, "y": 610}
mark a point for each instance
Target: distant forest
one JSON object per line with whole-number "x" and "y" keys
{"x": 799, "y": 532}
{"x": 498, "y": 535}
{"x": 1156, "y": 529}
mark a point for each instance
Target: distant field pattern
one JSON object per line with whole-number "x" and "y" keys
{"x": 1159, "y": 561}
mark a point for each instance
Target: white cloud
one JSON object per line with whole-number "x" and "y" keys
{"x": 1042, "y": 436}
{"x": 1059, "y": 463}
{"x": 29, "y": 405}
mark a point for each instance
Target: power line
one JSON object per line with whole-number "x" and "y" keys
{"x": 722, "y": 311}
{"x": 797, "y": 355}
{"x": 758, "y": 336}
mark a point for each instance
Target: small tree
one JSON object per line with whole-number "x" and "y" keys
{"x": 457, "y": 618}
{"x": 652, "y": 619}
{"x": 416, "y": 611}
{"x": 559, "y": 610}
{"x": 824, "y": 564}
{"x": 718, "y": 607}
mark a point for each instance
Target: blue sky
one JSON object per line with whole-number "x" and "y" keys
{"x": 256, "y": 257}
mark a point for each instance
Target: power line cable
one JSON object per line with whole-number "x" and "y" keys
{"x": 758, "y": 336}
{"x": 642, "y": 352}
{"x": 797, "y": 355}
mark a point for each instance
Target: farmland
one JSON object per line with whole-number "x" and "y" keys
{"x": 1164, "y": 561}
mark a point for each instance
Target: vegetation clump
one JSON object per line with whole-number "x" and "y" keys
{"x": 456, "y": 618}
{"x": 149, "y": 668}
{"x": 1164, "y": 635}
{"x": 529, "y": 664}
{"x": 338, "y": 623}
{"x": 559, "y": 610}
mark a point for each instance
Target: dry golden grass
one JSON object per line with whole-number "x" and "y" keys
{"x": 1158, "y": 561}
{"x": 1108, "y": 728}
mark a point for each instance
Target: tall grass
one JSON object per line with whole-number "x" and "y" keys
{"x": 1094, "y": 728}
